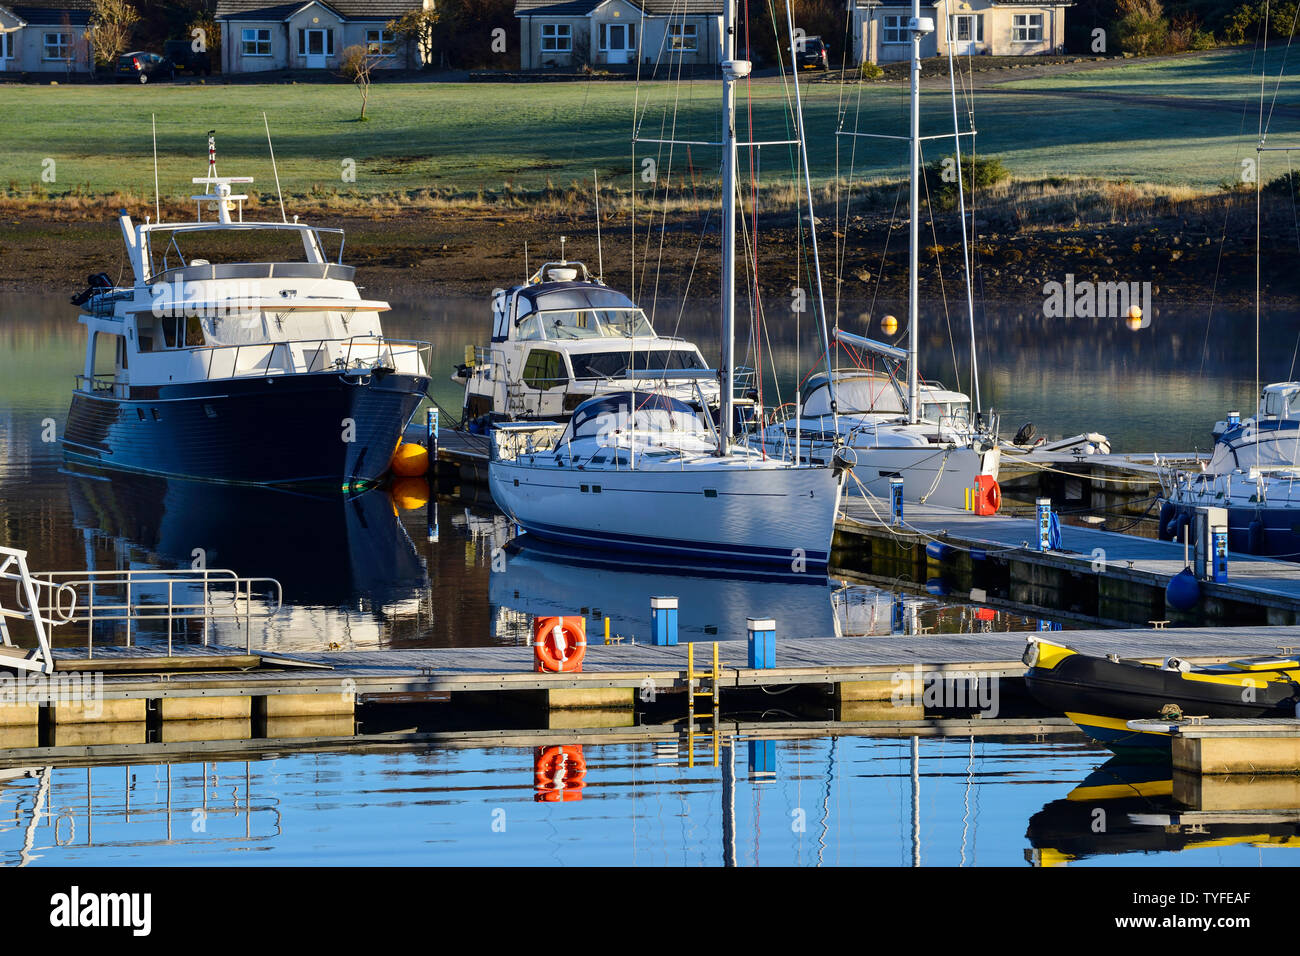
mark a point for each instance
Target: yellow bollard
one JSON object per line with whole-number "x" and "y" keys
{"x": 607, "y": 630}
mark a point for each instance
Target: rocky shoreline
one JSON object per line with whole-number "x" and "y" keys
{"x": 470, "y": 252}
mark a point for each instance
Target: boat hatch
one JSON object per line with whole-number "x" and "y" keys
{"x": 1267, "y": 664}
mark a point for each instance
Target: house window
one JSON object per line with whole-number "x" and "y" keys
{"x": 682, "y": 36}
{"x": 6, "y": 46}
{"x": 315, "y": 42}
{"x": 381, "y": 42}
{"x": 557, "y": 38}
{"x": 893, "y": 30}
{"x": 256, "y": 41}
{"x": 966, "y": 27}
{"x": 58, "y": 46}
{"x": 1027, "y": 27}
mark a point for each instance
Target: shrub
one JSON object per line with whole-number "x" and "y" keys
{"x": 872, "y": 71}
{"x": 1142, "y": 27}
{"x": 977, "y": 173}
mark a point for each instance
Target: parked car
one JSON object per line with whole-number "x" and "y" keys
{"x": 813, "y": 56}
{"x": 186, "y": 59}
{"x": 144, "y": 67}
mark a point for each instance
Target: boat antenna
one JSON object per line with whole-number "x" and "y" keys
{"x": 279, "y": 195}
{"x": 600, "y": 255}
{"x": 812, "y": 219}
{"x": 157, "y": 196}
{"x": 527, "y": 275}
{"x": 563, "y": 240}
{"x": 212, "y": 153}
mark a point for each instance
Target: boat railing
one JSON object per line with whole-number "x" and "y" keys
{"x": 102, "y": 384}
{"x": 358, "y": 354}
{"x": 512, "y": 439}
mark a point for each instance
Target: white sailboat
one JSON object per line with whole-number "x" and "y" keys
{"x": 646, "y": 472}
{"x": 896, "y": 425}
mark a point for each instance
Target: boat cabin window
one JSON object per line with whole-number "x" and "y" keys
{"x": 545, "y": 369}
{"x": 615, "y": 364}
{"x": 177, "y": 332}
{"x": 1280, "y": 403}
{"x": 946, "y": 413}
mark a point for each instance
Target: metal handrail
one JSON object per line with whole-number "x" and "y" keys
{"x": 225, "y": 595}
{"x": 383, "y": 349}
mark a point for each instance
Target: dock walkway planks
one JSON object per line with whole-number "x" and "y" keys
{"x": 799, "y": 661}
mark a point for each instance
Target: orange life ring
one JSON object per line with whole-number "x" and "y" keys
{"x": 558, "y": 773}
{"x": 559, "y": 644}
{"x": 988, "y": 495}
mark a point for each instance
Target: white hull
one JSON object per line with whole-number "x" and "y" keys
{"x": 776, "y": 515}
{"x": 932, "y": 474}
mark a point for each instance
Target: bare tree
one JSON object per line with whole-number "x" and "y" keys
{"x": 111, "y": 25}
{"x": 358, "y": 65}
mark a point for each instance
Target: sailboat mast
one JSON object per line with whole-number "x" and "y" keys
{"x": 732, "y": 70}
{"x": 914, "y": 232}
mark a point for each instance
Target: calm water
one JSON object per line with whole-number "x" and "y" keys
{"x": 360, "y": 573}
{"x": 831, "y": 801}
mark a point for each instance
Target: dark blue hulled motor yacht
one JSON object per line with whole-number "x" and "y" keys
{"x": 243, "y": 352}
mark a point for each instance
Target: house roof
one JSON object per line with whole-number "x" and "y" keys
{"x": 348, "y": 9}
{"x": 863, "y": 4}
{"x": 582, "y": 8}
{"x": 51, "y": 12}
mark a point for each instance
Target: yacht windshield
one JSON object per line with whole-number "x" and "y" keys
{"x": 175, "y": 249}
{"x": 594, "y": 323}
{"x": 615, "y": 364}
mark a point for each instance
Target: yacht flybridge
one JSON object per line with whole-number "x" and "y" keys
{"x": 562, "y": 337}
{"x": 242, "y": 352}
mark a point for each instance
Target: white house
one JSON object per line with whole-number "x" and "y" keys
{"x": 38, "y": 36}
{"x": 258, "y": 35}
{"x": 570, "y": 33}
{"x": 976, "y": 27}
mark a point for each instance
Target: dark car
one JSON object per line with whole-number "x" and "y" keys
{"x": 186, "y": 59}
{"x": 813, "y": 56}
{"x": 144, "y": 67}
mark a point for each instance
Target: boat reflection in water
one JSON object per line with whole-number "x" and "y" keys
{"x": 535, "y": 578}
{"x": 1128, "y": 806}
{"x": 349, "y": 571}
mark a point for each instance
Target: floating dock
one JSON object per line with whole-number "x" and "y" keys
{"x": 1108, "y": 577}
{"x": 214, "y": 693}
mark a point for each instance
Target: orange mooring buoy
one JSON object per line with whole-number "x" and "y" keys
{"x": 410, "y": 460}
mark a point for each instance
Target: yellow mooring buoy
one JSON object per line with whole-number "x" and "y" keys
{"x": 410, "y": 460}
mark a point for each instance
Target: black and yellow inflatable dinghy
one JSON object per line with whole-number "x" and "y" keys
{"x": 1102, "y": 694}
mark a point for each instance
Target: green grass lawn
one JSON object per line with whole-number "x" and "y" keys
{"x": 466, "y": 137}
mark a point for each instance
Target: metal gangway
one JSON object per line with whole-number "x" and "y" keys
{"x": 131, "y": 596}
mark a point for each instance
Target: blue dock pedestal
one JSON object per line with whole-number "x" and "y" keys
{"x": 1219, "y": 554}
{"x": 1044, "y": 509}
{"x": 762, "y": 642}
{"x": 762, "y": 758}
{"x": 896, "y": 501}
{"x": 663, "y": 621}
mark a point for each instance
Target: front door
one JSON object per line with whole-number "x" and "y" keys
{"x": 618, "y": 45}
{"x": 963, "y": 34}
{"x": 315, "y": 49}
